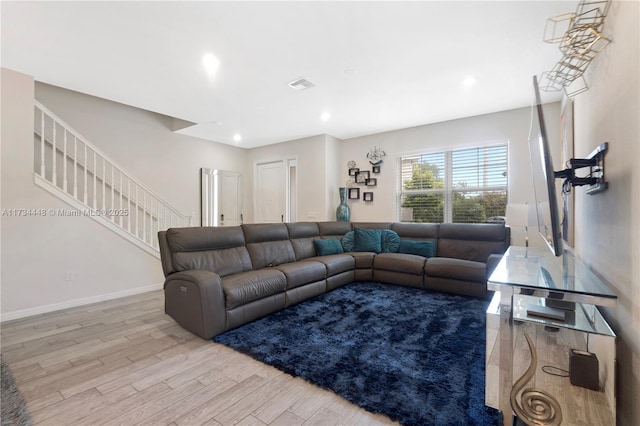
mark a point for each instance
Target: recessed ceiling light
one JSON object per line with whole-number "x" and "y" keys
{"x": 325, "y": 116}
{"x": 211, "y": 63}
{"x": 237, "y": 137}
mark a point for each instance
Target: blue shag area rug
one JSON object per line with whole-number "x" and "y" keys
{"x": 416, "y": 356}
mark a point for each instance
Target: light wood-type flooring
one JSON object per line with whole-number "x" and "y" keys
{"x": 124, "y": 362}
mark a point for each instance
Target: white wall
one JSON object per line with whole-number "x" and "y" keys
{"x": 507, "y": 126}
{"x": 608, "y": 223}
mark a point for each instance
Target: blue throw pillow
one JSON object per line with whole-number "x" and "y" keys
{"x": 421, "y": 248}
{"x": 390, "y": 241}
{"x": 328, "y": 246}
{"x": 367, "y": 240}
{"x": 347, "y": 241}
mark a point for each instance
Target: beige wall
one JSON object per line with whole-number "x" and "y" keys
{"x": 50, "y": 262}
{"x": 510, "y": 127}
{"x": 314, "y": 174}
{"x": 608, "y": 223}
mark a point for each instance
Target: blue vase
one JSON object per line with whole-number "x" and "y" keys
{"x": 343, "y": 214}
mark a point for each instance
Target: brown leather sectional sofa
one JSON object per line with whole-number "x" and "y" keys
{"x": 218, "y": 278}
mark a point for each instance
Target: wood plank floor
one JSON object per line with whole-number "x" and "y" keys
{"x": 124, "y": 362}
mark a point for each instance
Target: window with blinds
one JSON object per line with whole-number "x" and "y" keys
{"x": 463, "y": 186}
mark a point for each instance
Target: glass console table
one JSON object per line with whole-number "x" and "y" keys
{"x": 553, "y": 301}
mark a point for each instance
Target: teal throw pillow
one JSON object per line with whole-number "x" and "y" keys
{"x": 328, "y": 246}
{"x": 421, "y": 248}
{"x": 390, "y": 241}
{"x": 367, "y": 240}
{"x": 347, "y": 241}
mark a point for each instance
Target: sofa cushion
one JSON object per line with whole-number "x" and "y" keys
{"x": 421, "y": 248}
{"x": 303, "y": 272}
{"x": 302, "y": 235}
{"x": 336, "y": 263}
{"x": 367, "y": 240}
{"x": 204, "y": 238}
{"x": 398, "y": 262}
{"x": 268, "y": 244}
{"x": 363, "y": 259}
{"x": 347, "y": 241}
{"x": 246, "y": 287}
{"x": 223, "y": 262}
{"x": 416, "y": 231}
{"x": 389, "y": 241}
{"x": 458, "y": 269}
{"x": 334, "y": 229}
{"x": 328, "y": 246}
{"x": 472, "y": 241}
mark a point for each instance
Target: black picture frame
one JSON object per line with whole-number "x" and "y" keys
{"x": 354, "y": 171}
{"x": 367, "y": 196}
{"x": 375, "y": 169}
{"x": 371, "y": 182}
{"x": 362, "y": 176}
{"x": 354, "y": 193}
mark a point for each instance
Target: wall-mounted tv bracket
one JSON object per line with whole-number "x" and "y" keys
{"x": 595, "y": 178}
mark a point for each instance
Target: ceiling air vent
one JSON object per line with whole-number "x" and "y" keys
{"x": 301, "y": 84}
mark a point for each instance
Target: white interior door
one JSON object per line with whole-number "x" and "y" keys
{"x": 270, "y": 192}
{"x": 221, "y": 197}
{"x": 230, "y": 198}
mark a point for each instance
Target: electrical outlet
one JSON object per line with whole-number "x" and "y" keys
{"x": 68, "y": 276}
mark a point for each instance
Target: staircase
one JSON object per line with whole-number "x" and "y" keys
{"x": 72, "y": 169}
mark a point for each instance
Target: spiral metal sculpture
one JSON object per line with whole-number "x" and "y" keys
{"x": 536, "y": 407}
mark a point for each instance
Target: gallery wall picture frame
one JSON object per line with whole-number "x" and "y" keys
{"x": 354, "y": 193}
{"x": 353, "y": 171}
{"x": 362, "y": 176}
{"x": 375, "y": 169}
{"x": 367, "y": 196}
{"x": 371, "y": 182}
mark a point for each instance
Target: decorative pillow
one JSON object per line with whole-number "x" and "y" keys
{"x": 347, "y": 241}
{"x": 421, "y": 248}
{"x": 328, "y": 246}
{"x": 367, "y": 240}
{"x": 390, "y": 241}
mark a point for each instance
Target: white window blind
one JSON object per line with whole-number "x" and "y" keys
{"x": 464, "y": 186}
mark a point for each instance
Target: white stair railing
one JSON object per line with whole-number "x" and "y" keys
{"x": 70, "y": 167}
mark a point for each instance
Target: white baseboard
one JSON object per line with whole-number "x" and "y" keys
{"x": 24, "y": 313}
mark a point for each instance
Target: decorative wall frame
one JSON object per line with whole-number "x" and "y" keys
{"x": 367, "y": 196}
{"x": 371, "y": 182}
{"x": 362, "y": 176}
{"x": 353, "y": 171}
{"x": 375, "y": 169}
{"x": 354, "y": 193}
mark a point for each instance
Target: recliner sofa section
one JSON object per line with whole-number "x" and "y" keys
{"x": 218, "y": 278}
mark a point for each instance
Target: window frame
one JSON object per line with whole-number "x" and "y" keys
{"x": 449, "y": 188}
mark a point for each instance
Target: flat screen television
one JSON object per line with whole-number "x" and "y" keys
{"x": 544, "y": 185}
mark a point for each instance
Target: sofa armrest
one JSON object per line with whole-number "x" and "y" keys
{"x": 492, "y": 262}
{"x": 195, "y": 299}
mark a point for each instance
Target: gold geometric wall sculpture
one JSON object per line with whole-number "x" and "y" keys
{"x": 580, "y": 39}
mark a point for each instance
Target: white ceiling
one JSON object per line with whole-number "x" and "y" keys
{"x": 378, "y": 66}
